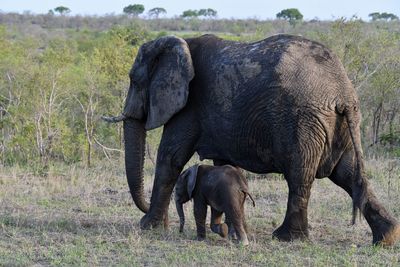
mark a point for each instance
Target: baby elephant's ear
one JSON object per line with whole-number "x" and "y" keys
{"x": 191, "y": 179}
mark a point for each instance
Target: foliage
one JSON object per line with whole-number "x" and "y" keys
{"x": 51, "y": 99}
{"x": 391, "y": 138}
{"x": 372, "y": 62}
{"x": 383, "y": 16}
{"x": 58, "y": 74}
{"x": 190, "y": 13}
{"x": 209, "y": 12}
{"x": 134, "y": 10}
{"x": 155, "y": 12}
{"x": 293, "y": 15}
{"x": 62, "y": 10}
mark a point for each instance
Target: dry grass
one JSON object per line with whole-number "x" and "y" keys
{"x": 86, "y": 217}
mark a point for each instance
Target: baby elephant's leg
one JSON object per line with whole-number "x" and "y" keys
{"x": 231, "y": 229}
{"x": 200, "y": 214}
{"x": 236, "y": 216}
{"x": 216, "y": 225}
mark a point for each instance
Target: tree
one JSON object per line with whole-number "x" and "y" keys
{"x": 389, "y": 16}
{"x": 293, "y": 15}
{"x": 190, "y": 13}
{"x": 382, "y": 16}
{"x": 155, "y": 12}
{"x": 62, "y": 10}
{"x": 374, "y": 16}
{"x": 134, "y": 10}
{"x": 209, "y": 12}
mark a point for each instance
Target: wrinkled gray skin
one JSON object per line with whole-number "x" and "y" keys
{"x": 283, "y": 105}
{"x": 224, "y": 189}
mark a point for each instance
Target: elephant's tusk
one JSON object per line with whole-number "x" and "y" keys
{"x": 114, "y": 119}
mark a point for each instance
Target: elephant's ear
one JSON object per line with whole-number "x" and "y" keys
{"x": 191, "y": 177}
{"x": 169, "y": 77}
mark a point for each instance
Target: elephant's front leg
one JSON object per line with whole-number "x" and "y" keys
{"x": 164, "y": 182}
{"x": 295, "y": 224}
{"x": 175, "y": 150}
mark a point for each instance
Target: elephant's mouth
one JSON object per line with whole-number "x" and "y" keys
{"x": 136, "y": 104}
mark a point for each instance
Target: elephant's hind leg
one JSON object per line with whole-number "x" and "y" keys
{"x": 385, "y": 228}
{"x": 216, "y": 225}
{"x": 235, "y": 216}
{"x": 231, "y": 230}
{"x": 300, "y": 175}
{"x": 295, "y": 224}
{"x": 300, "y": 167}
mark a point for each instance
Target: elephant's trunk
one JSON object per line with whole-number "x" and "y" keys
{"x": 135, "y": 138}
{"x": 179, "y": 209}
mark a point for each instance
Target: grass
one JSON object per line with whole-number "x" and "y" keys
{"x": 78, "y": 216}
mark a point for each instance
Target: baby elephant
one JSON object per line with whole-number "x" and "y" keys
{"x": 224, "y": 188}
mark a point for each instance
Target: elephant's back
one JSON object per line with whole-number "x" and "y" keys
{"x": 311, "y": 75}
{"x": 223, "y": 180}
{"x": 304, "y": 71}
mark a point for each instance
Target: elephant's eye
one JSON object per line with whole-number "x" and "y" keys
{"x": 153, "y": 66}
{"x": 134, "y": 84}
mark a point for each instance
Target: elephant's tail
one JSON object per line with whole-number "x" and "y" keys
{"x": 248, "y": 194}
{"x": 360, "y": 183}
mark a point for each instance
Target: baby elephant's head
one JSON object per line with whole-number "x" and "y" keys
{"x": 183, "y": 191}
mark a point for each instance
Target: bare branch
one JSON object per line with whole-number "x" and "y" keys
{"x": 107, "y": 148}
{"x": 369, "y": 76}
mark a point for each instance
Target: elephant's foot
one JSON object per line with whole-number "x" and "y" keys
{"x": 385, "y": 228}
{"x": 282, "y": 233}
{"x": 149, "y": 222}
{"x": 201, "y": 238}
{"x": 244, "y": 241}
{"x": 389, "y": 238}
{"x": 232, "y": 233}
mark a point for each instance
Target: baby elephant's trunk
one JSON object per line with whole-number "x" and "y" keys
{"x": 179, "y": 209}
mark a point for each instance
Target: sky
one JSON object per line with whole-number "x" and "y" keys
{"x": 260, "y": 9}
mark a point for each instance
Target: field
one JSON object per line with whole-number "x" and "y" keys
{"x": 64, "y": 198}
{"x": 78, "y": 216}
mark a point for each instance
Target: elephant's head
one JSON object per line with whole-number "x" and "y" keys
{"x": 183, "y": 192}
{"x": 159, "y": 88}
{"x": 159, "y": 81}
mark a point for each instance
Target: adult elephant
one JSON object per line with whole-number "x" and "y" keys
{"x": 283, "y": 105}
